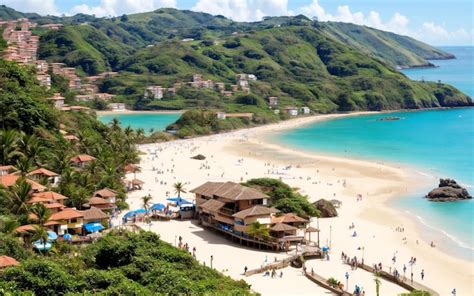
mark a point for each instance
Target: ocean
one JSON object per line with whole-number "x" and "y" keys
{"x": 146, "y": 120}
{"x": 437, "y": 142}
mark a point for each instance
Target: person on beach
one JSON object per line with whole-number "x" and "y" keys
{"x": 422, "y": 274}
{"x": 453, "y": 292}
{"x": 245, "y": 269}
{"x": 281, "y": 274}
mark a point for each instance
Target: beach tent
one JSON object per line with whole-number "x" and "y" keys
{"x": 67, "y": 236}
{"x": 158, "y": 207}
{"x": 178, "y": 200}
{"x": 52, "y": 236}
{"x": 93, "y": 227}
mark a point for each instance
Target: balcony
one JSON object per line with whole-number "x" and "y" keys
{"x": 226, "y": 212}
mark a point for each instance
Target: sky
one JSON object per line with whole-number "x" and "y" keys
{"x": 437, "y": 22}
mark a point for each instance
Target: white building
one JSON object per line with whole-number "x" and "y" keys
{"x": 154, "y": 92}
{"x": 305, "y": 110}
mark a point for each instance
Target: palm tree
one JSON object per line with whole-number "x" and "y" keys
{"x": 79, "y": 196}
{"x": 8, "y": 146}
{"x": 8, "y": 224}
{"x": 42, "y": 213}
{"x": 18, "y": 197}
{"x": 258, "y": 230}
{"x": 39, "y": 233}
{"x": 32, "y": 148}
{"x": 24, "y": 165}
{"x": 146, "y": 200}
{"x": 114, "y": 124}
{"x": 377, "y": 284}
{"x": 179, "y": 188}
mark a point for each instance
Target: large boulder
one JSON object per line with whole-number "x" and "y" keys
{"x": 448, "y": 190}
{"x": 326, "y": 208}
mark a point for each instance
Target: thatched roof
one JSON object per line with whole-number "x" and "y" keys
{"x": 255, "y": 211}
{"x": 94, "y": 214}
{"x": 212, "y": 205}
{"x": 105, "y": 193}
{"x": 282, "y": 227}
{"x": 311, "y": 229}
{"x": 228, "y": 190}
{"x": 289, "y": 218}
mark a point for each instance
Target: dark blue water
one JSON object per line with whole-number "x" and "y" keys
{"x": 438, "y": 142}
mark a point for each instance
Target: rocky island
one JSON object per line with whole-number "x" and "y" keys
{"x": 448, "y": 190}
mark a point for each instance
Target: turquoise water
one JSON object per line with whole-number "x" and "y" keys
{"x": 437, "y": 142}
{"x": 147, "y": 121}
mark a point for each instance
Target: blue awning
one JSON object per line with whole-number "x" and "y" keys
{"x": 67, "y": 236}
{"x": 157, "y": 207}
{"x": 93, "y": 227}
{"x": 179, "y": 201}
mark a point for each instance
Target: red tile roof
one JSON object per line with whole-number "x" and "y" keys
{"x": 82, "y": 158}
{"x": 43, "y": 171}
{"x": 10, "y": 180}
{"x": 50, "y": 195}
{"x": 54, "y": 205}
{"x": 65, "y": 214}
{"x": 6, "y": 261}
{"x": 24, "y": 228}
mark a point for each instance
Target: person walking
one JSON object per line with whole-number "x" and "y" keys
{"x": 422, "y": 274}
{"x": 245, "y": 269}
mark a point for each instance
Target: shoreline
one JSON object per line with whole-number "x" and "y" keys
{"x": 427, "y": 231}
{"x": 375, "y": 218}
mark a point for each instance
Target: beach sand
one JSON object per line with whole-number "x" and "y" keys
{"x": 318, "y": 177}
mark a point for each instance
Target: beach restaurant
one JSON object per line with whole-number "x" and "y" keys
{"x": 244, "y": 214}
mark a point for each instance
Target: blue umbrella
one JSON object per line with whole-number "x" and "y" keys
{"x": 325, "y": 249}
{"x": 140, "y": 211}
{"x": 52, "y": 236}
{"x": 67, "y": 236}
{"x": 128, "y": 215}
{"x": 157, "y": 207}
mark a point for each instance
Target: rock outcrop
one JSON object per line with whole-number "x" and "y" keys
{"x": 448, "y": 190}
{"x": 326, "y": 208}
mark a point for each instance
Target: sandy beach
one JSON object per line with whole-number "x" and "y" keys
{"x": 318, "y": 176}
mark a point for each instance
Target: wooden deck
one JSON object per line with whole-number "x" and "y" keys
{"x": 251, "y": 242}
{"x": 402, "y": 282}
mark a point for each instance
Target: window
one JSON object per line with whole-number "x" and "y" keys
{"x": 73, "y": 220}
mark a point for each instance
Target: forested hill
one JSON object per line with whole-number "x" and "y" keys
{"x": 300, "y": 61}
{"x": 139, "y": 30}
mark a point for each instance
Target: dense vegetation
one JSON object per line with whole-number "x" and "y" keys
{"x": 283, "y": 197}
{"x": 118, "y": 264}
{"x": 30, "y": 138}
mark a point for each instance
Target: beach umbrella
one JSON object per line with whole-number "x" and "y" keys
{"x": 157, "y": 207}
{"x": 140, "y": 211}
{"x": 325, "y": 249}
{"x": 93, "y": 227}
{"x": 128, "y": 215}
{"x": 52, "y": 236}
{"x": 67, "y": 236}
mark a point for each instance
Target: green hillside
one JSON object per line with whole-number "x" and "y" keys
{"x": 298, "y": 64}
{"x": 396, "y": 50}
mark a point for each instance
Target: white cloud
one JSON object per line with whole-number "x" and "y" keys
{"x": 43, "y": 7}
{"x": 429, "y": 32}
{"x": 243, "y": 10}
{"x": 119, "y": 7}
